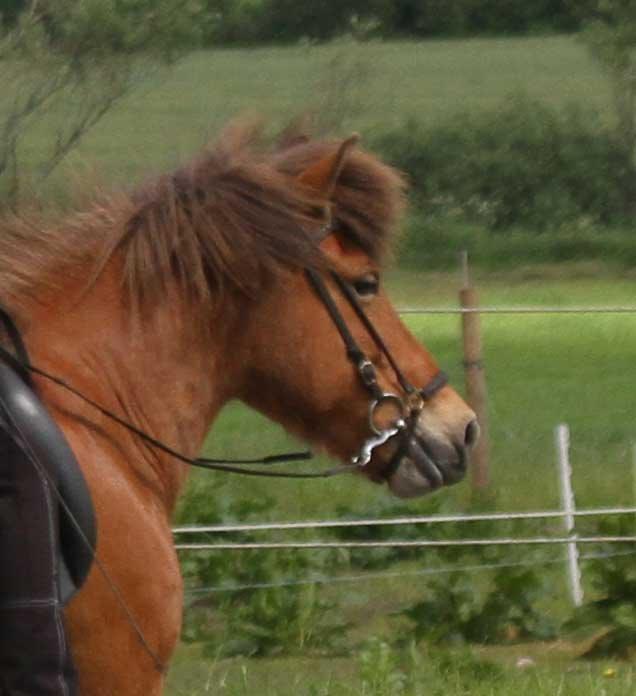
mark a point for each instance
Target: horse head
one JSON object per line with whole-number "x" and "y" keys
{"x": 415, "y": 430}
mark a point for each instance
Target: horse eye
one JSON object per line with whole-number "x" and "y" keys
{"x": 367, "y": 286}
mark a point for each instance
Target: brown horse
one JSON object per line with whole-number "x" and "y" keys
{"x": 163, "y": 305}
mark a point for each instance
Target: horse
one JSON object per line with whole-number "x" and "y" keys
{"x": 250, "y": 273}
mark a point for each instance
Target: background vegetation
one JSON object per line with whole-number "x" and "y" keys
{"x": 275, "y": 21}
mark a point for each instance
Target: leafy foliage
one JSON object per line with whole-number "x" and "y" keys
{"x": 260, "y": 610}
{"x": 262, "y": 602}
{"x": 248, "y": 21}
{"x": 499, "y": 605}
{"x": 67, "y": 64}
{"x": 522, "y": 164}
{"x": 455, "y": 610}
{"x": 434, "y": 242}
{"x": 612, "y": 616}
{"x": 380, "y": 669}
{"x": 611, "y": 36}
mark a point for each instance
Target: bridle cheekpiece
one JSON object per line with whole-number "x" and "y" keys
{"x": 413, "y": 400}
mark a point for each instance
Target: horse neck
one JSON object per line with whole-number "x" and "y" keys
{"x": 160, "y": 373}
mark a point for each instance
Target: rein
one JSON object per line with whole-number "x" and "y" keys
{"x": 23, "y": 367}
{"x": 227, "y": 465}
{"x": 415, "y": 398}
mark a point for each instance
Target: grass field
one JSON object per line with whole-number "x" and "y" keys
{"x": 459, "y": 676}
{"x": 368, "y": 87}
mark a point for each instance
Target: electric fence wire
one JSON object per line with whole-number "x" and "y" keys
{"x": 396, "y": 521}
{"x": 387, "y": 575}
{"x": 517, "y": 310}
{"x": 406, "y": 543}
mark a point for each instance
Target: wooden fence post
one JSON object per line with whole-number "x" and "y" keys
{"x": 475, "y": 378}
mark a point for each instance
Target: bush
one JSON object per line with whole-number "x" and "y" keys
{"x": 501, "y": 604}
{"x": 524, "y": 164}
{"x": 487, "y": 17}
{"x": 453, "y": 610}
{"x": 249, "y": 21}
{"x": 281, "y": 21}
{"x": 613, "y": 613}
{"x": 252, "y": 606}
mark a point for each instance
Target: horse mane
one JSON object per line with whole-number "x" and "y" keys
{"x": 231, "y": 218}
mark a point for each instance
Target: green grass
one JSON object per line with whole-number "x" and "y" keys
{"x": 378, "y": 85}
{"x": 553, "y": 674}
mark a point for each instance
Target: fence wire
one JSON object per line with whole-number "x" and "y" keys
{"x": 406, "y": 543}
{"x": 518, "y": 310}
{"x": 388, "y": 575}
{"x": 396, "y": 521}
{"x": 318, "y": 544}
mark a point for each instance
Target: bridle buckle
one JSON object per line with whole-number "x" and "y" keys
{"x": 414, "y": 402}
{"x": 366, "y": 370}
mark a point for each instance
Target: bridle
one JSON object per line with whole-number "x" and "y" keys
{"x": 408, "y": 406}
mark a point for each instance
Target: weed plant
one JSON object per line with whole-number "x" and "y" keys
{"x": 609, "y": 617}
{"x": 247, "y": 602}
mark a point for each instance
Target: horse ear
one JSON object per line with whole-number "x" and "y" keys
{"x": 323, "y": 175}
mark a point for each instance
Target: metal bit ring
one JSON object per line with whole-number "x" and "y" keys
{"x": 378, "y": 403}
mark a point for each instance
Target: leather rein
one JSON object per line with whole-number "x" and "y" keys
{"x": 408, "y": 406}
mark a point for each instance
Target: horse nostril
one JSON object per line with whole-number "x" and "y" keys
{"x": 471, "y": 435}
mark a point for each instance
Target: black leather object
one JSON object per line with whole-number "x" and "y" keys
{"x": 24, "y": 418}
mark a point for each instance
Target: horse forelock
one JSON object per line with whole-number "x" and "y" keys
{"x": 230, "y": 219}
{"x": 368, "y": 199}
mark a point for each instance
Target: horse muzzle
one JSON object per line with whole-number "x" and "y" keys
{"x": 414, "y": 469}
{"x": 424, "y": 463}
